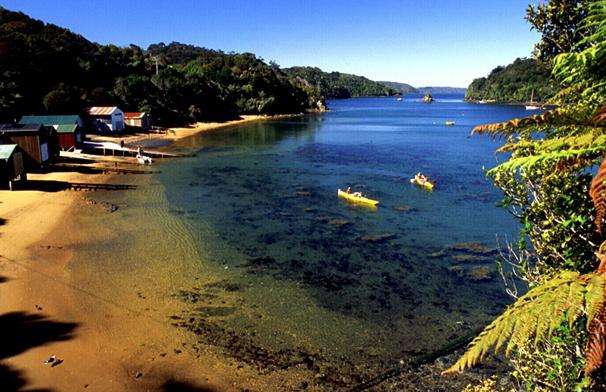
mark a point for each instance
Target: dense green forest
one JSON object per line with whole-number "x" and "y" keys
{"x": 337, "y": 84}
{"x": 401, "y": 88}
{"x": 48, "y": 69}
{"x": 514, "y": 83}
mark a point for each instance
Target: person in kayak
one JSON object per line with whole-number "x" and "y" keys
{"x": 421, "y": 179}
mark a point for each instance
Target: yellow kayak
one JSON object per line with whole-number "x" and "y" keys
{"x": 427, "y": 185}
{"x": 357, "y": 199}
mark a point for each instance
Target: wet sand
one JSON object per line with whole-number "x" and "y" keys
{"x": 106, "y": 342}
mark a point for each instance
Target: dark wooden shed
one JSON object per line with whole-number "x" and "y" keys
{"x": 11, "y": 165}
{"x": 70, "y": 128}
{"x": 38, "y": 143}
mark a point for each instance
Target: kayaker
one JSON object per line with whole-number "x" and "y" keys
{"x": 357, "y": 194}
{"x": 421, "y": 179}
{"x": 348, "y": 190}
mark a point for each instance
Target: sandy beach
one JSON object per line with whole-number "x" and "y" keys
{"x": 105, "y": 342}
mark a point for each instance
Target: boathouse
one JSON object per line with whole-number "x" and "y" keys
{"x": 12, "y": 168}
{"x": 107, "y": 118}
{"x": 37, "y": 142}
{"x": 137, "y": 120}
{"x": 70, "y": 128}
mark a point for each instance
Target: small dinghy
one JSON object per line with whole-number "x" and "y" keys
{"x": 144, "y": 159}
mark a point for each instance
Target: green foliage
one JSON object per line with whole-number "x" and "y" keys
{"x": 560, "y": 23}
{"x": 535, "y": 316}
{"x": 554, "y": 364}
{"x": 49, "y": 69}
{"x": 400, "y": 88}
{"x": 514, "y": 83}
{"x": 339, "y": 85}
{"x": 546, "y": 180}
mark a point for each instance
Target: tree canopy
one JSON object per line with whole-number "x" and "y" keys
{"x": 514, "y": 83}
{"x": 560, "y": 23}
{"x": 339, "y": 85}
{"x": 48, "y": 69}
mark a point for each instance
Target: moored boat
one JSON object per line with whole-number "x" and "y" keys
{"x": 356, "y": 197}
{"x": 144, "y": 159}
{"x": 449, "y": 123}
{"x": 532, "y": 105}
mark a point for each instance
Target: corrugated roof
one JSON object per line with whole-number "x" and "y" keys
{"x": 6, "y": 150}
{"x": 134, "y": 115}
{"x": 101, "y": 110}
{"x": 21, "y": 128}
{"x": 50, "y": 120}
{"x": 67, "y": 128}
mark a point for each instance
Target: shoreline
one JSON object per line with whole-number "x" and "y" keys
{"x": 175, "y": 134}
{"x": 108, "y": 347}
{"x": 47, "y": 310}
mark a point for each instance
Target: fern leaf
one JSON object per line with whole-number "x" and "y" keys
{"x": 537, "y": 314}
{"x": 598, "y": 195}
{"x": 596, "y": 347}
{"x": 595, "y": 295}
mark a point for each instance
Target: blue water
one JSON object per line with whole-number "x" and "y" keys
{"x": 326, "y": 277}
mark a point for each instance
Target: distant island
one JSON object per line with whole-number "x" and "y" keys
{"x": 514, "y": 83}
{"x": 442, "y": 90}
{"x": 339, "y": 85}
{"x": 404, "y": 88}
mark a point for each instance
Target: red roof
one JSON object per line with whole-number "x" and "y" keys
{"x": 101, "y": 110}
{"x": 128, "y": 115}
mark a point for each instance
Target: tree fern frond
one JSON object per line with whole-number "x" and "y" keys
{"x": 536, "y": 314}
{"x": 595, "y": 296}
{"x": 576, "y": 158}
{"x": 596, "y": 347}
{"x": 553, "y": 118}
{"x": 598, "y": 195}
{"x": 600, "y": 116}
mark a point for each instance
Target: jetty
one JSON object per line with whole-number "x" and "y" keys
{"x": 114, "y": 149}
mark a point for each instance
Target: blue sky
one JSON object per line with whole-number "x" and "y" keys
{"x": 421, "y": 42}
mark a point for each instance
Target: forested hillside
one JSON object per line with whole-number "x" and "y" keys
{"x": 338, "y": 85}
{"x": 402, "y": 88}
{"x": 514, "y": 83}
{"x": 48, "y": 69}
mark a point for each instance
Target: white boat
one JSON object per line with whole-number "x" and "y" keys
{"x": 399, "y": 99}
{"x": 144, "y": 159}
{"x": 532, "y": 105}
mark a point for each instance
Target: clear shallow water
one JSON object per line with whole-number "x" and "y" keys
{"x": 302, "y": 271}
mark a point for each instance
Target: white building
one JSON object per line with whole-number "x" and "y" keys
{"x": 107, "y": 116}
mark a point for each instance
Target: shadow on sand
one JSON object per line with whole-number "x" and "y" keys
{"x": 58, "y": 186}
{"x": 179, "y": 386}
{"x": 21, "y": 331}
